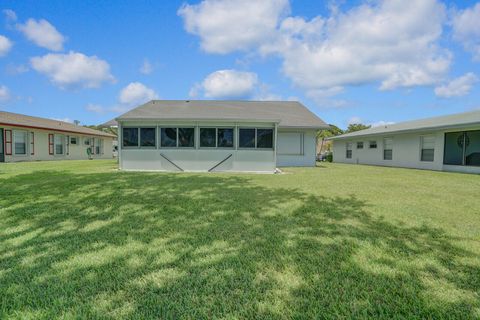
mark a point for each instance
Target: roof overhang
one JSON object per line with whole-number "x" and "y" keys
{"x": 393, "y": 132}
{"x": 58, "y": 130}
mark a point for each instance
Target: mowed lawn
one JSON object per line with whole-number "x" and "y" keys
{"x": 78, "y": 239}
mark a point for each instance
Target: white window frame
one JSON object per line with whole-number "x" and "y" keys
{"x": 385, "y": 149}
{"x": 62, "y": 139}
{"x": 349, "y": 147}
{"x": 422, "y": 138}
{"x": 14, "y": 149}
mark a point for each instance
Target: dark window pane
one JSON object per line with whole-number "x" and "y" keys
{"x": 168, "y": 137}
{"x": 472, "y": 150}
{"x": 59, "y": 149}
{"x": 349, "y": 154}
{"x": 264, "y": 138}
{"x": 20, "y": 148}
{"x": 186, "y": 137}
{"x": 387, "y": 154}
{"x": 130, "y": 137}
{"x": 453, "y": 148}
{"x": 225, "y": 138}
{"x": 359, "y": 145}
{"x": 207, "y": 137}
{"x": 147, "y": 137}
{"x": 428, "y": 154}
{"x": 247, "y": 138}
{"x": 373, "y": 144}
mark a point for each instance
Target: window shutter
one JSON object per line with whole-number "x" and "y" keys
{"x": 8, "y": 142}
{"x": 50, "y": 144}
{"x": 32, "y": 143}
{"x": 67, "y": 145}
{"x": 93, "y": 145}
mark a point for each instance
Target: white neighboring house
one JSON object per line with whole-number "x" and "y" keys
{"x": 447, "y": 143}
{"x": 202, "y": 135}
{"x": 26, "y": 138}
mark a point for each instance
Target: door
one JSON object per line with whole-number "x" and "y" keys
{"x": 2, "y": 152}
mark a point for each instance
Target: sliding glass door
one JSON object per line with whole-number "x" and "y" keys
{"x": 462, "y": 148}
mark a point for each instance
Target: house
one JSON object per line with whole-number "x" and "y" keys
{"x": 200, "y": 135}
{"x": 26, "y": 138}
{"x": 447, "y": 143}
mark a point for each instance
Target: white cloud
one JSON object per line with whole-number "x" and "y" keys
{"x": 43, "y": 34}
{"x": 73, "y": 69}
{"x": 227, "y": 84}
{"x": 5, "y": 45}
{"x": 381, "y": 123}
{"x": 457, "y": 87}
{"x": 229, "y": 25}
{"x": 387, "y": 42}
{"x": 4, "y": 94}
{"x": 10, "y": 15}
{"x": 64, "y": 120}
{"x": 146, "y": 67}
{"x": 136, "y": 93}
{"x": 95, "y": 108}
{"x": 466, "y": 29}
{"x": 384, "y": 42}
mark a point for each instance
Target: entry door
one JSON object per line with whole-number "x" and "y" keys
{"x": 2, "y": 149}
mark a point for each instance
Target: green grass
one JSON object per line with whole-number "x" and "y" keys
{"x": 79, "y": 239}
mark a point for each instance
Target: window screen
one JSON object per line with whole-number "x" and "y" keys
{"x": 148, "y": 137}
{"x": 168, "y": 137}
{"x": 265, "y": 138}
{"x": 129, "y": 136}
{"x": 348, "y": 154}
{"x": 58, "y": 143}
{"x": 186, "y": 137}
{"x": 207, "y": 137}
{"x": 225, "y": 137}
{"x": 246, "y": 138}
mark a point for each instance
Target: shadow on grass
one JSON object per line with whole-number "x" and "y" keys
{"x": 141, "y": 245}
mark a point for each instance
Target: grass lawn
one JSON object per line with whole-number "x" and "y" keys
{"x": 79, "y": 239}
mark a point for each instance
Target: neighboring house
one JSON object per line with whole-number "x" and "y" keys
{"x": 199, "y": 135}
{"x": 448, "y": 143}
{"x": 26, "y": 138}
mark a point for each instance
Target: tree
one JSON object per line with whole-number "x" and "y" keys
{"x": 327, "y": 133}
{"x": 356, "y": 127}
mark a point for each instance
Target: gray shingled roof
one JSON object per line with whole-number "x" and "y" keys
{"x": 286, "y": 113}
{"x": 444, "y": 122}
{"x": 20, "y": 120}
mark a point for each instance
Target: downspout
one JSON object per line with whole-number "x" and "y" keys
{"x": 275, "y": 146}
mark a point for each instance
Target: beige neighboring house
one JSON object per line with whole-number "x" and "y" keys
{"x": 26, "y": 138}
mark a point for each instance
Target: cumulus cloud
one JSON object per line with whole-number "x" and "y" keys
{"x": 136, "y": 93}
{"x": 466, "y": 29}
{"x": 229, "y": 25}
{"x": 4, "y": 94}
{"x": 457, "y": 87}
{"x": 5, "y": 45}
{"x": 43, "y": 34}
{"x": 382, "y": 42}
{"x": 73, "y": 69}
{"x": 227, "y": 84}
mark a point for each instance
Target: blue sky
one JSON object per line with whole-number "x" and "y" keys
{"x": 348, "y": 61}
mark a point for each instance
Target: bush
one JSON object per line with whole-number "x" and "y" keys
{"x": 330, "y": 157}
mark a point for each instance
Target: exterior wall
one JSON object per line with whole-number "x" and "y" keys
{"x": 196, "y": 159}
{"x": 41, "y": 146}
{"x": 296, "y": 148}
{"x": 406, "y": 151}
